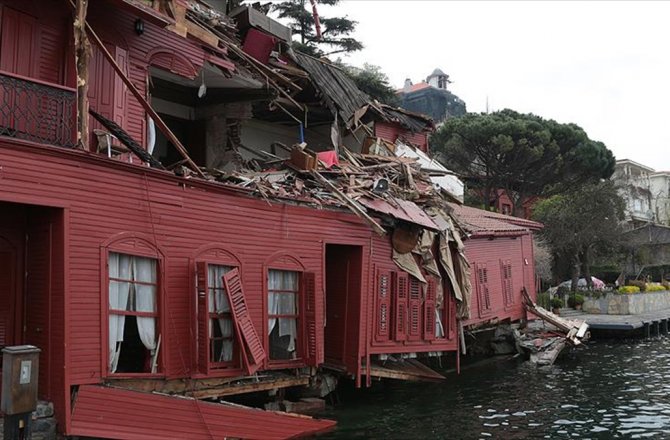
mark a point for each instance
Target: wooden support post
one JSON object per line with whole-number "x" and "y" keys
{"x": 647, "y": 330}
{"x": 82, "y": 53}
{"x": 665, "y": 326}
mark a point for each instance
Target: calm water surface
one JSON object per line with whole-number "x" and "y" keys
{"x": 605, "y": 390}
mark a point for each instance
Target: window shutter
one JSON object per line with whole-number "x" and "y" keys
{"x": 203, "y": 317}
{"x": 400, "y": 296}
{"x": 383, "y": 305}
{"x": 450, "y": 321}
{"x": 250, "y": 343}
{"x": 429, "y": 311}
{"x": 314, "y": 350}
{"x": 510, "y": 285}
{"x": 414, "y": 333}
{"x": 483, "y": 289}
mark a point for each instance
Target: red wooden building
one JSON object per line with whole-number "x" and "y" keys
{"x": 133, "y": 279}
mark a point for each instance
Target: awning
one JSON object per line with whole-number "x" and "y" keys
{"x": 121, "y": 414}
{"x": 402, "y": 210}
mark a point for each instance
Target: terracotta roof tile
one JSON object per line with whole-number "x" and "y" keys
{"x": 414, "y": 87}
{"x": 480, "y": 222}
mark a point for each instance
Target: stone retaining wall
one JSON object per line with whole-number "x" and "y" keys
{"x": 628, "y": 304}
{"x": 44, "y": 423}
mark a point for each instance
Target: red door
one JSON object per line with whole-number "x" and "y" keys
{"x": 107, "y": 93}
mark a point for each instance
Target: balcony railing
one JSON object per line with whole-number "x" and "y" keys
{"x": 37, "y": 111}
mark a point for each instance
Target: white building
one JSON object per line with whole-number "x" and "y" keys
{"x": 645, "y": 191}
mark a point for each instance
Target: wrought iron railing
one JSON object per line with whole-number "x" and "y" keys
{"x": 37, "y": 111}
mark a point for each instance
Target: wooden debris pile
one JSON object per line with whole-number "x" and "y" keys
{"x": 356, "y": 181}
{"x": 545, "y": 344}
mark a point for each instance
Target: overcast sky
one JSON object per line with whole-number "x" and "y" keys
{"x": 602, "y": 65}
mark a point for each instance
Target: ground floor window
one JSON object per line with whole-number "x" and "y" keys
{"x": 283, "y": 314}
{"x": 133, "y": 314}
{"x": 221, "y": 332}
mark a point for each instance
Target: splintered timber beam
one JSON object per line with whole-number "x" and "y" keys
{"x": 147, "y": 107}
{"x": 82, "y": 51}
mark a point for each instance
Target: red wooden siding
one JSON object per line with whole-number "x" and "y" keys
{"x": 500, "y": 255}
{"x": 131, "y": 415}
{"x": 391, "y": 132}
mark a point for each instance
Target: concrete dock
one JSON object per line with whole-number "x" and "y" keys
{"x": 647, "y": 324}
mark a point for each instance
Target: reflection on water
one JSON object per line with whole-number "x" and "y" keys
{"x": 605, "y": 390}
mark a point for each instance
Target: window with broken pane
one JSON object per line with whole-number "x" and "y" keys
{"x": 283, "y": 314}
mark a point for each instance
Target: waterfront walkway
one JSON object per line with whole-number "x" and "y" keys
{"x": 652, "y": 323}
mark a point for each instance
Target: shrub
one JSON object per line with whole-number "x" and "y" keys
{"x": 543, "y": 300}
{"x": 595, "y": 294}
{"x": 655, "y": 288}
{"x": 628, "y": 289}
{"x": 576, "y": 299}
{"x": 638, "y": 283}
{"x": 556, "y": 303}
{"x": 665, "y": 284}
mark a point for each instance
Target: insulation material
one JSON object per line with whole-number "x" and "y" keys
{"x": 407, "y": 263}
{"x": 425, "y": 250}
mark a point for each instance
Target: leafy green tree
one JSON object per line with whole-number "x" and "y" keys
{"x": 371, "y": 80}
{"x": 335, "y": 31}
{"x": 580, "y": 223}
{"x": 522, "y": 154}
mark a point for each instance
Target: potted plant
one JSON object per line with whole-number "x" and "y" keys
{"x": 575, "y": 301}
{"x": 556, "y": 305}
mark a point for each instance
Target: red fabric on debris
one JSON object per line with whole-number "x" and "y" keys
{"x": 259, "y": 45}
{"x": 329, "y": 158}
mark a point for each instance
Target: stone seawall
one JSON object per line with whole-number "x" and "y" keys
{"x": 44, "y": 423}
{"x": 628, "y": 304}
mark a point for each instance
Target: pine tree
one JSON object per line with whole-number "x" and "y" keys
{"x": 334, "y": 31}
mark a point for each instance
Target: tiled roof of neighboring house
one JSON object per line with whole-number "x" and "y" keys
{"x": 480, "y": 222}
{"x": 415, "y": 87}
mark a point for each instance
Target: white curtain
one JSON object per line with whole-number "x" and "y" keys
{"x": 439, "y": 328}
{"x": 283, "y": 303}
{"x": 218, "y": 303}
{"x": 144, "y": 270}
{"x": 126, "y": 295}
{"x": 119, "y": 293}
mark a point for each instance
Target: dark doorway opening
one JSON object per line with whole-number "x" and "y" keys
{"x": 343, "y": 299}
{"x": 32, "y": 280}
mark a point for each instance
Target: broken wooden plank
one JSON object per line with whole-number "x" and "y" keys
{"x": 127, "y": 140}
{"x": 201, "y": 34}
{"x": 351, "y": 203}
{"x": 406, "y": 369}
{"x": 245, "y": 388}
